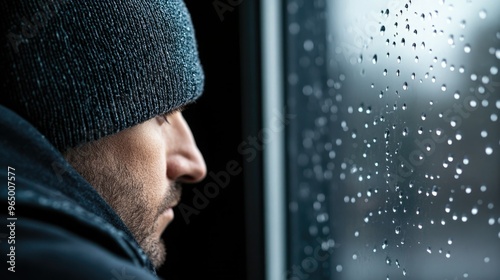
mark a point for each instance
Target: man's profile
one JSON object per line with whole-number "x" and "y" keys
{"x": 94, "y": 147}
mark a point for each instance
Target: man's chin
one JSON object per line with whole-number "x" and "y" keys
{"x": 155, "y": 250}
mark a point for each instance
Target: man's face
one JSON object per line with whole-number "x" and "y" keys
{"x": 138, "y": 171}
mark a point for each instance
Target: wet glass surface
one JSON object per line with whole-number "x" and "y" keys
{"x": 394, "y": 158}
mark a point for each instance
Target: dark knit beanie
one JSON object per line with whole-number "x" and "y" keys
{"x": 79, "y": 70}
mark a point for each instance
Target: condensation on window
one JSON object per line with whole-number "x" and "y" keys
{"x": 394, "y": 159}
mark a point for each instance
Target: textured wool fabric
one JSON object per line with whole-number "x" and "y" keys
{"x": 79, "y": 70}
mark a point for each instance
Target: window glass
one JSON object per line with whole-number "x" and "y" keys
{"x": 394, "y": 157}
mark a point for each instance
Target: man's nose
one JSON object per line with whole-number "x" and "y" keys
{"x": 185, "y": 163}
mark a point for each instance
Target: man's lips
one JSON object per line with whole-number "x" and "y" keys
{"x": 166, "y": 217}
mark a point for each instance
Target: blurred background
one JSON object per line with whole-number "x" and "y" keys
{"x": 346, "y": 140}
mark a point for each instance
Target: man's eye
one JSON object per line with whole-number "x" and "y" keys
{"x": 178, "y": 109}
{"x": 165, "y": 117}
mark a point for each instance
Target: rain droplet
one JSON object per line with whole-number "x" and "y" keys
{"x": 482, "y": 14}
{"x": 405, "y": 86}
{"x": 443, "y": 87}
{"x": 308, "y": 45}
{"x": 488, "y": 150}
{"x": 385, "y": 244}
{"x": 443, "y": 63}
{"x": 451, "y": 40}
{"x": 385, "y": 72}
{"x": 434, "y": 190}
{"x": 467, "y": 48}
{"x": 382, "y": 30}
{"x": 405, "y": 131}
{"x": 374, "y": 59}
{"x": 493, "y": 70}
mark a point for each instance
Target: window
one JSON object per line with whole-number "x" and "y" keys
{"x": 393, "y": 159}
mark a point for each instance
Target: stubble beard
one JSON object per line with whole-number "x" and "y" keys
{"x": 124, "y": 193}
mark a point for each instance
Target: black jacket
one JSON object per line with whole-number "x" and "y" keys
{"x": 58, "y": 226}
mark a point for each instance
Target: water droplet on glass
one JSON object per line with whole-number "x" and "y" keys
{"x": 443, "y": 63}
{"x": 429, "y": 250}
{"x": 451, "y": 40}
{"x": 374, "y": 59}
{"x": 405, "y": 86}
{"x": 493, "y": 70}
{"x": 384, "y": 72}
{"x": 308, "y": 45}
{"x": 405, "y": 131}
{"x": 462, "y": 24}
{"x": 443, "y": 87}
{"x": 382, "y": 30}
{"x": 467, "y": 48}
{"x": 434, "y": 190}
{"x": 488, "y": 150}
{"x": 416, "y": 59}
{"x": 482, "y": 14}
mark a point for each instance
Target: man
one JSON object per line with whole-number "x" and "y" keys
{"x": 94, "y": 147}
